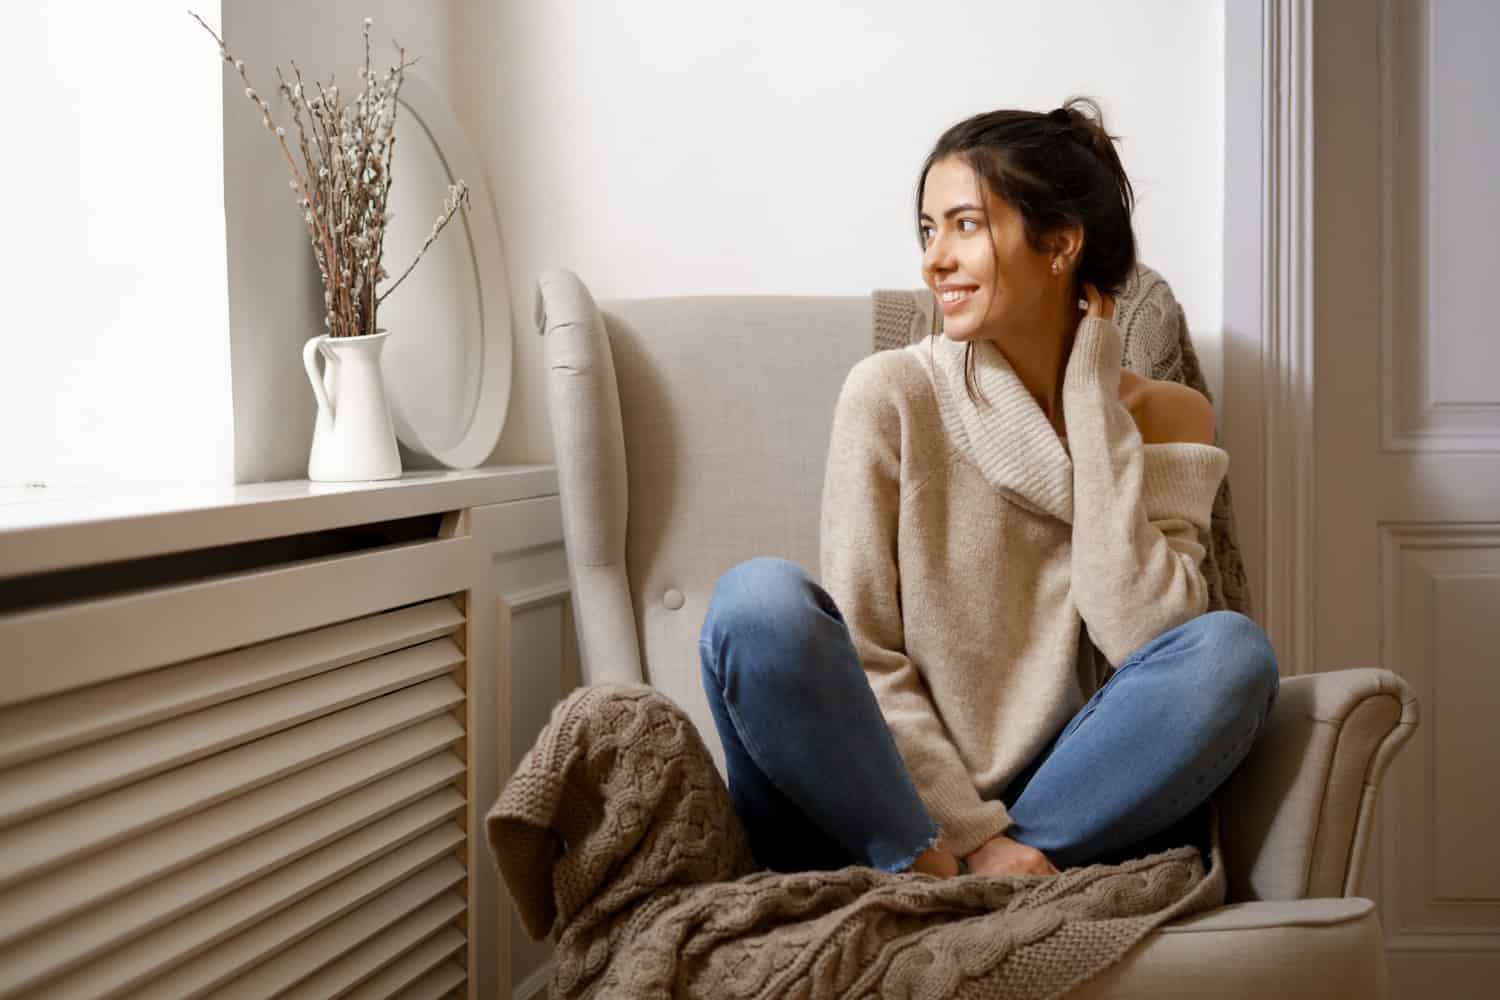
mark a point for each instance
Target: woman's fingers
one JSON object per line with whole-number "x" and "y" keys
{"x": 1095, "y": 300}
{"x": 1099, "y": 304}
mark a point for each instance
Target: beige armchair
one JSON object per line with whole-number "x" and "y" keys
{"x": 691, "y": 434}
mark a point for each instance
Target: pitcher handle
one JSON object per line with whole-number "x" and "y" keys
{"x": 310, "y": 362}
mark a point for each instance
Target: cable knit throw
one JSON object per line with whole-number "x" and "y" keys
{"x": 1155, "y": 344}
{"x": 616, "y": 836}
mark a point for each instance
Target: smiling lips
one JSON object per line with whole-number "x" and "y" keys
{"x": 954, "y": 299}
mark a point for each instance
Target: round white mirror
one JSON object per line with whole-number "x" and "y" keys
{"x": 447, "y": 361}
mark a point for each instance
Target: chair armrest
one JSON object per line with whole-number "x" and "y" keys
{"x": 1295, "y": 818}
{"x": 583, "y": 406}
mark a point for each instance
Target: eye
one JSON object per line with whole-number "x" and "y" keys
{"x": 968, "y": 225}
{"x": 926, "y": 233}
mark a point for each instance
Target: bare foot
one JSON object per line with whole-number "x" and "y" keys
{"x": 937, "y": 861}
{"x": 1002, "y": 856}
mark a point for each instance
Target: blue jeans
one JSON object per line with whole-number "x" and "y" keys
{"x": 819, "y": 784}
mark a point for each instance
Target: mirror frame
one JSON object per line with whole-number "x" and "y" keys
{"x": 426, "y": 109}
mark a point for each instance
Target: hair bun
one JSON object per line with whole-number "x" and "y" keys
{"x": 1062, "y": 116}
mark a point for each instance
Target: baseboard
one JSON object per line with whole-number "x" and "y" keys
{"x": 535, "y": 985}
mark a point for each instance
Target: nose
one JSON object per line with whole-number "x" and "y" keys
{"x": 937, "y": 258}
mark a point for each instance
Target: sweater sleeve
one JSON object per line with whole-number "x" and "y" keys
{"x": 1139, "y": 511}
{"x": 861, "y": 510}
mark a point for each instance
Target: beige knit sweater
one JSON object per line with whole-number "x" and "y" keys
{"x": 979, "y": 565}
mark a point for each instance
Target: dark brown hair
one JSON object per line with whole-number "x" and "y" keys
{"x": 1056, "y": 169}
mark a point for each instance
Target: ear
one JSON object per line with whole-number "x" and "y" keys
{"x": 1066, "y": 242}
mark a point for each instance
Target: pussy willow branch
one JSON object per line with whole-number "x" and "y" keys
{"x": 458, "y": 197}
{"x": 322, "y": 144}
{"x": 343, "y": 185}
{"x": 266, "y": 118}
{"x": 374, "y": 302}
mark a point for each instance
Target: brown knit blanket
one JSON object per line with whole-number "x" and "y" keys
{"x": 616, "y": 836}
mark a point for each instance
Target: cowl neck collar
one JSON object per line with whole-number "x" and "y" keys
{"x": 1005, "y": 434}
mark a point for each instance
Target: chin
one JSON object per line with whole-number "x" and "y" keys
{"x": 962, "y": 328}
{"x": 970, "y": 324}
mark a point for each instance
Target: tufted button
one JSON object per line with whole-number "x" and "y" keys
{"x": 672, "y": 599}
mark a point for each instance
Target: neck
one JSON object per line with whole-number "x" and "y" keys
{"x": 1040, "y": 358}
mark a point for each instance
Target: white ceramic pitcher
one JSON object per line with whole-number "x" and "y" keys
{"x": 353, "y": 438}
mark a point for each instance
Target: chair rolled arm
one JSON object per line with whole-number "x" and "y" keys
{"x": 583, "y": 406}
{"x": 1296, "y": 816}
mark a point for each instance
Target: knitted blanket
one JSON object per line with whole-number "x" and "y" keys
{"x": 1156, "y": 345}
{"x": 616, "y": 836}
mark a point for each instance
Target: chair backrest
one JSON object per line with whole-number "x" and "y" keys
{"x": 691, "y": 434}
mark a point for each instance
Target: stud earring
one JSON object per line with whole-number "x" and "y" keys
{"x": 1056, "y": 266}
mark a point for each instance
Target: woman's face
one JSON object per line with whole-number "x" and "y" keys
{"x": 976, "y": 260}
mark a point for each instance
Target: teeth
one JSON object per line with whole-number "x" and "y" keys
{"x": 954, "y": 296}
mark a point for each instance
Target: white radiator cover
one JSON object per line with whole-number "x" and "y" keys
{"x": 285, "y": 816}
{"x": 271, "y": 780}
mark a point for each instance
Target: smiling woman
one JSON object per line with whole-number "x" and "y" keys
{"x": 1011, "y": 546}
{"x": 1004, "y": 202}
{"x": 1002, "y": 218}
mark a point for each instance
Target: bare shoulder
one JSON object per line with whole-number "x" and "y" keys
{"x": 1168, "y": 412}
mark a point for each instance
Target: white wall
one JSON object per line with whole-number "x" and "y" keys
{"x": 658, "y": 148}
{"x": 114, "y": 352}
{"x": 669, "y": 148}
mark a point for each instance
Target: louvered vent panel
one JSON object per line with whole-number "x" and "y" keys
{"x": 410, "y": 970}
{"x": 441, "y": 982}
{"x": 290, "y": 813}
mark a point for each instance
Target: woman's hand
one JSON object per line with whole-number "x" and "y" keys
{"x": 1164, "y": 412}
{"x": 1002, "y": 856}
{"x": 1100, "y": 306}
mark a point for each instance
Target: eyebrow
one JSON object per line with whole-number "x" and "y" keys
{"x": 965, "y": 207}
